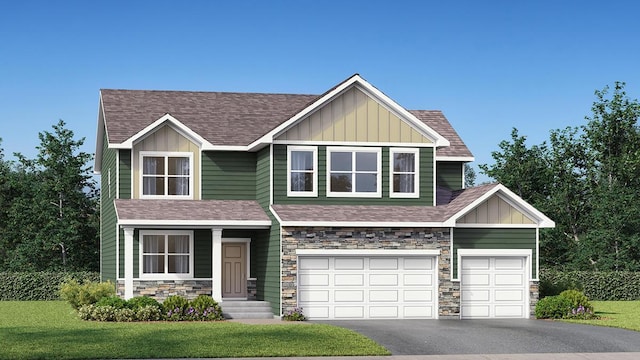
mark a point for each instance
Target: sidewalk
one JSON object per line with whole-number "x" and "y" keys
{"x": 560, "y": 356}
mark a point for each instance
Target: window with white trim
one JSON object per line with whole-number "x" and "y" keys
{"x": 166, "y": 174}
{"x": 404, "y": 173}
{"x": 166, "y": 254}
{"x": 354, "y": 172}
{"x": 302, "y": 171}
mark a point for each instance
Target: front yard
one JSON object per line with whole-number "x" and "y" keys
{"x": 51, "y": 329}
{"x": 620, "y": 314}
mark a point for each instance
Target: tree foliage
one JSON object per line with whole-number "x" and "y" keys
{"x": 586, "y": 179}
{"x": 49, "y": 218}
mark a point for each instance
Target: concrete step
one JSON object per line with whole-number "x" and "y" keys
{"x": 246, "y": 310}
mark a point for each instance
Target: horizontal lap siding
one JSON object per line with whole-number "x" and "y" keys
{"x": 449, "y": 174}
{"x": 108, "y": 218}
{"x": 280, "y": 182}
{"x": 494, "y": 239}
{"x": 229, "y": 175}
{"x": 124, "y": 179}
{"x": 202, "y": 255}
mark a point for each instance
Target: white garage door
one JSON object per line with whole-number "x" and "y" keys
{"x": 376, "y": 287}
{"x": 494, "y": 287}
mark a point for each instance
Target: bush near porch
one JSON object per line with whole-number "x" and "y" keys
{"x": 596, "y": 285}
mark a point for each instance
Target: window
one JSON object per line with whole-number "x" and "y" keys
{"x": 354, "y": 172}
{"x": 404, "y": 173}
{"x": 166, "y": 174}
{"x": 302, "y": 177}
{"x": 166, "y": 254}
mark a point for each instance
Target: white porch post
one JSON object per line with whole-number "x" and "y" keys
{"x": 128, "y": 263}
{"x": 216, "y": 261}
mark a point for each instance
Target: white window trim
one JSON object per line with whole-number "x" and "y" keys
{"x": 166, "y": 155}
{"x": 353, "y": 193}
{"x": 314, "y": 191}
{"x": 164, "y": 276}
{"x": 416, "y": 181}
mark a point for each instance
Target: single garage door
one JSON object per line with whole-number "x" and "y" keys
{"x": 375, "y": 287}
{"x": 494, "y": 287}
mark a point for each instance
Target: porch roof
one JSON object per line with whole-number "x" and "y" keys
{"x": 227, "y": 213}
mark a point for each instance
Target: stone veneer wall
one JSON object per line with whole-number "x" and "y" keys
{"x": 161, "y": 289}
{"x": 534, "y": 295}
{"x": 378, "y": 238}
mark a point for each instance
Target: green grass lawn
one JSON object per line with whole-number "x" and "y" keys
{"x": 51, "y": 329}
{"x": 620, "y": 314}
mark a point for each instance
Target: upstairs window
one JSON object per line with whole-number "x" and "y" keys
{"x": 302, "y": 172}
{"x": 166, "y": 254}
{"x": 404, "y": 173}
{"x": 166, "y": 174}
{"x": 354, "y": 172}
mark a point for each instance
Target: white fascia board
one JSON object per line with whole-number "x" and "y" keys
{"x": 494, "y": 252}
{"x": 197, "y": 223}
{"x": 177, "y": 125}
{"x": 363, "y": 224}
{"x": 351, "y": 143}
{"x": 275, "y": 214}
{"x": 226, "y": 148}
{"x": 456, "y": 158}
{"x": 97, "y": 161}
{"x": 514, "y": 200}
{"x": 366, "y": 252}
{"x": 498, "y": 226}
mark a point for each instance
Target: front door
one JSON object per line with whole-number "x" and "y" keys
{"x": 234, "y": 267}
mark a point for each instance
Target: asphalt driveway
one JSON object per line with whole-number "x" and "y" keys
{"x": 452, "y": 337}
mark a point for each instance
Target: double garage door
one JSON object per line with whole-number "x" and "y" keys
{"x": 494, "y": 287}
{"x": 367, "y": 287}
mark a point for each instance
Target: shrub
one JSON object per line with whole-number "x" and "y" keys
{"x": 581, "y": 313}
{"x": 203, "y": 308}
{"x": 86, "y": 293}
{"x": 115, "y": 301}
{"x": 142, "y": 301}
{"x": 597, "y": 285}
{"x": 577, "y": 299}
{"x": 125, "y": 315}
{"x": 553, "y": 307}
{"x": 549, "y": 287}
{"x": 149, "y": 313}
{"x": 294, "y": 315}
{"x": 38, "y": 285}
{"x": 174, "y": 307}
{"x": 104, "y": 313}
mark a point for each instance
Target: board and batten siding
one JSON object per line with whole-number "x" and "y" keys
{"x": 495, "y": 211}
{"x": 354, "y": 117}
{"x": 228, "y": 175}
{"x": 108, "y": 233}
{"x": 280, "y": 182}
{"x": 492, "y": 238}
{"x": 449, "y": 174}
{"x": 166, "y": 139}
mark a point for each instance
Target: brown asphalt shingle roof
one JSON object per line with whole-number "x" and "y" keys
{"x": 189, "y": 210}
{"x": 227, "y": 118}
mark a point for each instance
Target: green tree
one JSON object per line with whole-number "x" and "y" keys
{"x": 469, "y": 176}
{"x": 55, "y": 219}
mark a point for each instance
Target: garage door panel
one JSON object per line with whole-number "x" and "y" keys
{"x": 314, "y": 263}
{"x": 509, "y": 279}
{"x": 509, "y": 295}
{"x": 472, "y": 279}
{"x": 479, "y": 311}
{"x": 383, "y": 280}
{"x": 509, "y": 263}
{"x": 349, "y": 264}
{"x": 476, "y": 263}
{"x": 510, "y": 311}
{"x": 368, "y": 287}
{"x": 378, "y": 312}
{"x": 475, "y": 295}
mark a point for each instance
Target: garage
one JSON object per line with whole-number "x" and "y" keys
{"x": 367, "y": 287}
{"x": 494, "y": 287}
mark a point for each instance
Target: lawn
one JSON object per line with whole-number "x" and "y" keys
{"x": 50, "y": 329}
{"x": 620, "y": 314}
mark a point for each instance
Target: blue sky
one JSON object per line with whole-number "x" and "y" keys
{"x": 489, "y": 65}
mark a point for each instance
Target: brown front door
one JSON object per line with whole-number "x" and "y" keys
{"x": 234, "y": 267}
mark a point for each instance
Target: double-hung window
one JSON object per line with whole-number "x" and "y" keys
{"x": 302, "y": 169}
{"x": 354, "y": 172}
{"x": 166, "y": 254}
{"x": 404, "y": 164}
{"x": 166, "y": 174}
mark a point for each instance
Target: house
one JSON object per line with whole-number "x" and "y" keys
{"x": 345, "y": 204}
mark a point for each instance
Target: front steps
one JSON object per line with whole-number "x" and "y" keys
{"x": 243, "y": 309}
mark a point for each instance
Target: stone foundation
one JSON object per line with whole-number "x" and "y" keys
{"x": 379, "y": 238}
{"x": 534, "y": 295}
{"x": 161, "y": 289}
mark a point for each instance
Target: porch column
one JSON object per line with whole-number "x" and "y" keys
{"x": 216, "y": 261}
{"x": 128, "y": 263}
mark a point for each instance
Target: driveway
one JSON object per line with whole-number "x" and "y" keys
{"x": 449, "y": 337}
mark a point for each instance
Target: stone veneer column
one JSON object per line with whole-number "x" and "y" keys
{"x": 216, "y": 261}
{"x": 128, "y": 263}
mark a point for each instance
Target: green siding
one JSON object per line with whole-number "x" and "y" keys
{"x": 121, "y": 254}
{"x": 229, "y": 175}
{"x": 494, "y": 239}
{"x": 262, "y": 177}
{"x": 202, "y": 256}
{"x": 108, "y": 214}
{"x": 280, "y": 182}
{"x": 449, "y": 174}
{"x": 125, "y": 174}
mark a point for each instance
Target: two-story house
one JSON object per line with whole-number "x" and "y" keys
{"x": 345, "y": 204}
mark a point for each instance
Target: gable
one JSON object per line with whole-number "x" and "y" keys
{"x": 495, "y": 210}
{"x": 354, "y": 116}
